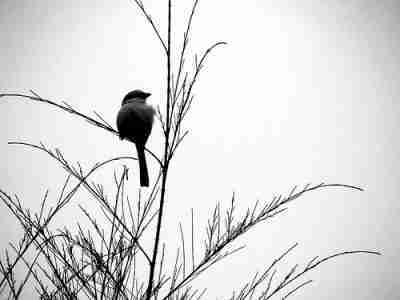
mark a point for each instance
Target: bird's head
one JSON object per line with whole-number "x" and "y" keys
{"x": 135, "y": 96}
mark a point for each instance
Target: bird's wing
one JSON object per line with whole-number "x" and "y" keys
{"x": 135, "y": 122}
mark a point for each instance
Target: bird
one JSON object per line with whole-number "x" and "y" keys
{"x": 134, "y": 123}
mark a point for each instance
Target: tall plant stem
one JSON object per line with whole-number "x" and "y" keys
{"x": 164, "y": 165}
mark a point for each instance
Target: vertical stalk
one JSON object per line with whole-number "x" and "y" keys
{"x": 164, "y": 165}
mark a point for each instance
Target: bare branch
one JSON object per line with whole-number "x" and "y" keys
{"x": 68, "y": 108}
{"x": 148, "y": 17}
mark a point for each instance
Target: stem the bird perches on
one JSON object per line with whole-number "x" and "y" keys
{"x": 165, "y": 162}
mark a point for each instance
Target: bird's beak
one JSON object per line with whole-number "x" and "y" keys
{"x": 148, "y": 94}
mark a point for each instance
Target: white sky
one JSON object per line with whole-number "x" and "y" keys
{"x": 305, "y": 91}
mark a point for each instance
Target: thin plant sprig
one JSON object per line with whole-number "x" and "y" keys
{"x": 100, "y": 122}
{"x": 224, "y": 228}
{"x": 178, "y": 102}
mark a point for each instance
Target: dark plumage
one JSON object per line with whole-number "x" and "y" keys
{"x": 134, "y": 122}
{"x": 135, "y": 94}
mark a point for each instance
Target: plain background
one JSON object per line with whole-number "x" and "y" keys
{"x": 305, "y": 91}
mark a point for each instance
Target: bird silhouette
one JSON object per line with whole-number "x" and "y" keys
{"x": 134, "y": 123}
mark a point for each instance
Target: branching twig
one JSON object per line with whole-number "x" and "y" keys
{"x": 68, "y": 108}
{"x": 148, "y": 17}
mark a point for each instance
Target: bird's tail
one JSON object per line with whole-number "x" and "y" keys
{"x": 144, "y": 175}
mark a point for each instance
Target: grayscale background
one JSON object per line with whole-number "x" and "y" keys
{"x": 305, "y": 91}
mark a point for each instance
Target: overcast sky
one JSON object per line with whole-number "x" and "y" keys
{"x": 304, "y": 92}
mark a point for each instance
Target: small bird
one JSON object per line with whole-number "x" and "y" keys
{"x": 134, "y": 123}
